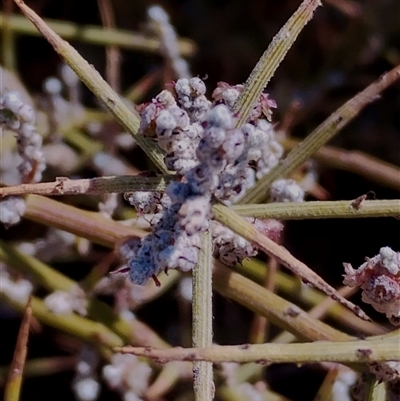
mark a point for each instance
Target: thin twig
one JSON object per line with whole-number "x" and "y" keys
{"x": 90, "y": 186}
{"x": 14, "y": 381}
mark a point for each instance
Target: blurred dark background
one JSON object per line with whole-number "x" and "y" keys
{"x": 339, "y": 53}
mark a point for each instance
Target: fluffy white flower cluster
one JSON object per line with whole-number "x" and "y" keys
{"x": 345, "y": 379}
{"x": 147, "y": 202}
{"x": 379, "y": 278}
{"x": 19, "y": 117}
{"x": 230, "y": 248}
{"x": 18, "y": 289}
{"x": 174, "y": 243}
{"x": 127, "y": 375}
{"x": 66, "y": 302}
{"x": 215, "y": 158}
{"x": 11, "y": 210}
{"x": 85, "y": 384}
{"x": 191, "y": 96}
{"x": 286, "y": 190}
{"x": 175, "y": 132}
{"x": 229, "y": 94}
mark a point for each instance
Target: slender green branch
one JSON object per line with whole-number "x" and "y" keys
{"x": 203, "y": 384}
{"x": 272, "y": 57}
{"x": 91, "y": 186}
{"x": 356, "y": 351}
{"x": 96, "y": 35}
{"x": 320, "y": 210}
{"x": 93, "y": 80}
{"x": 82, "y": 223}
{"x": 321, "y": 135}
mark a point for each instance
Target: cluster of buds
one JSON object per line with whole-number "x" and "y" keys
{"x": 19, "y": 117}
{"x": 66, "y": 302}
{"x": 174, "y": 242}
{"x": 214, "y": 158}
{"x": 147, "y": 202}
{"x": 85, "y": 385}
{"x": 229, "y": 94}
{"x": 173, "y": 128}
{"x": 14, "y": 287}
{"x": 286, "y": 190}
{"x": 127, "y": 375}
{"x": 231, "y": 249}
{"x": 379, "y": 278}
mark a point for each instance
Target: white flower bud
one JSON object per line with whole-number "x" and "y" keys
{"x": 12, "y": 101}
{"x": 220, "y": 116}
{"x": 52, "y": 86}
{"x": 86, "y": 389}
{"x": 284, "y": 190}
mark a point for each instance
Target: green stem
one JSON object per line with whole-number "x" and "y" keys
{"x": 202, "y": 319}
{"x": 319, "y": 210}
{"x": 272, "y": 57}
{"x": 349, "y": 352}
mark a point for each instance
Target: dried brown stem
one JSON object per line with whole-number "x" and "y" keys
{"x": 13, "y": 386}
{"x": 90, "y": 186}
